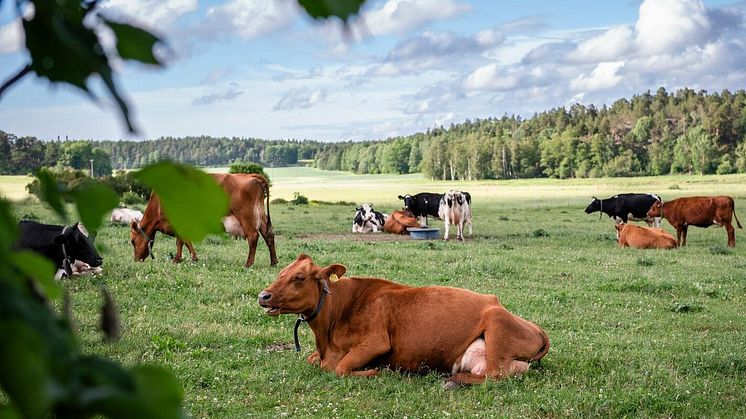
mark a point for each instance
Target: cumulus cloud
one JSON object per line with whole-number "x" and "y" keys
{"x": 11, "y": 37}
{"x": 431, "y": 48}
{"x": 249, "y": 18}
{"x": 402, "y": 16}
{"x": 300, "y": 98}
{"x": 611, "y": 45}
{"x": 668, "y": 25}
{"x": 223, "y": 96}
{"x": 153, "y": 13}
{"x": 604, "y": 76}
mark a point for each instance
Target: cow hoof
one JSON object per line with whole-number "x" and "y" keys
{"x": 450, "y": 385}
{"x": 175, "y": 260}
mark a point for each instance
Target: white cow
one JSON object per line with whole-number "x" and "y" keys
{"x": 367, "y": 219}
{"x": 125, "y": 216}
{"x": 455, "y": 209}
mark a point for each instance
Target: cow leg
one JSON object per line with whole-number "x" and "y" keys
{"x": 268, "y": 234}
{"x": 466, "y": 378}
{"x": 253, "y": 239}
{"x": 361, "y": 355}
{"x": 731, "y": 234}
{"x": 684, "y": 230}
{"x": 179, "y": 249}
{"x": 314, "y": 358}
{"x": 192, "y": 253}
{"x": 461, "y": 230}
{"x": 448, "y": 226}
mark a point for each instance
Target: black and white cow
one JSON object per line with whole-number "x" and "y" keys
{"x": 62, "y": 245}
{"x": 626, "y": 206}
{"x": 426, "y": 204}
{"x": 367, "y": 219}
{"x": 455, "y": 209}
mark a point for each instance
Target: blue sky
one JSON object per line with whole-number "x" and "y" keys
{"x": 261, "y": 68}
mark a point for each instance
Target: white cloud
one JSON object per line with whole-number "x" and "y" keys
{"x": 490, "y": 77}
{"x": 611, "y": 45}
{"x": 401, "y": 16}
{"x": 300, "y": 98}
{"x": 157, "y": 14}
{"x": 250, "y": 18}
{"x": 667, "y": 26}
{"x": 604, "y": 76}
{"x": 224, "y": 96}
{"x": 11, "y": 37}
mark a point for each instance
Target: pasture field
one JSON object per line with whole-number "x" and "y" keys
{"x": 14, "y": 187}
{"x": 633, "y": 333}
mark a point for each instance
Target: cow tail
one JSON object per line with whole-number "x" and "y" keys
{"x": 733, "y": 205}
{"x": 266, "y": 193}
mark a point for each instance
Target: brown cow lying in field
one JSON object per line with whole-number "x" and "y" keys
{"x": 361, "y": 324}
{"x": 699, "y": 211}
{"x": 398, "y": 222}
{"x": 246, "y": 193}
{"x": 629, "y": 235}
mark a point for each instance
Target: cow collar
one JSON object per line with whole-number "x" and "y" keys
{"x": 66, "y": 262}
{"x": 150, "y": 241}
{"x": 601, "y": 211}
{"x": 301, "y": 318}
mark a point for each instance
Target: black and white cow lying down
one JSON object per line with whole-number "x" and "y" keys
{"x": 626, "y": 206}
{"x": 367, "y": 219}
{"x": 62, "y": 245}
{"x": 426, "y": 204}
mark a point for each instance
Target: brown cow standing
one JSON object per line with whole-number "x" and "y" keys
{"x": 245, "y": 193}
{"x": 699, "y": 211}
{"x": 366, "y": 323}
{"x": 630, "y": 235}
{"x": 398, "y": 222}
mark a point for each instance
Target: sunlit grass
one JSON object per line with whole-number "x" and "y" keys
{"x": 633, "y": 333}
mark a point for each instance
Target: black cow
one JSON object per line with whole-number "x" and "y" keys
{"x": 60, "y": 244}
{"x": 425, "y": 203}
{"x": 627, "y": 206}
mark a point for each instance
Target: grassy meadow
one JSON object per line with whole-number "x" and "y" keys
{"x": 633, "y": 333}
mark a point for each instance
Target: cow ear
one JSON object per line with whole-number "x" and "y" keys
{"x": 59, "y": 239}
{"x": 333, "y": 269}
{"x": 133, "y": 225}
{"x": 401, "y": 197}
{"x": 303, "y": 256}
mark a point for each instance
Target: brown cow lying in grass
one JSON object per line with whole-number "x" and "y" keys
{"x": 398, "y": 222}
{"x": 361, "y": 324}
{"x": 629, "y": 235}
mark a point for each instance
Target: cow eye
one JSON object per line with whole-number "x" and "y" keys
{"x": 299, "y": 278}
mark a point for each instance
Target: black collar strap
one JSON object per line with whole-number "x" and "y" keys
{"x": 601, "y": 212}
{"x": 150, "y": 241}
{"x": 66, "y": 262}
{"x": 301, "y": 318}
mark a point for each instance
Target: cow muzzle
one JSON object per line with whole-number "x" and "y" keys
{"x": 263, "y": 300}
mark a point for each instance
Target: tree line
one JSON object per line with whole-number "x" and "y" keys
{"x": 650, "y": 134}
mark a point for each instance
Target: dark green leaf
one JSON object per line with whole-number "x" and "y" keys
{"x": 8, "y": 227}
{"x": 25, "y": 369}
{"x": 50, "y": 192}
{"x": 9, "y": 412}
{"x": 193, "y": 202}
{"x": 159, "y": 393}
{"x": 94, "y": 200}
{"x": 324, "y": 9}
{"x": 38, "y": 268}
{"x": 134, "y": 43}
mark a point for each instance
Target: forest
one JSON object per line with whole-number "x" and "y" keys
{"x": 687, "y": 131}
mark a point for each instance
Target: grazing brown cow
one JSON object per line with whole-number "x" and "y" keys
{"x": 246, "y": 193}
{"x": 398, "y": 222}
{"x": 698, "y": 211}
{"x": 361, "y": 324}
{"x": 638, "y": 237}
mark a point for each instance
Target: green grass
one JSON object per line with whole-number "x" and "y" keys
{"x": 14, "y": 187}
{"x": 633, "y": 333}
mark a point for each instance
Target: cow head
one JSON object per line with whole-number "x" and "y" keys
{"x": 78, "y": 246}
{"x": 619, "y": 228}
{"x": 298, "y": 287}
{"x": 656, "y": 210}
{"x": 594, "y": 206}
{"x": 408, "y": 201}
{"x": 454, "y": 196}
{"x": 141, "y": 242}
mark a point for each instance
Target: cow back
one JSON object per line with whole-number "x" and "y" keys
{"x": 398, "y": 222}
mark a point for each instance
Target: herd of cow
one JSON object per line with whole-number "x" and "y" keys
{"x": 362, "y": 324}
{"x": 453, "y": 207}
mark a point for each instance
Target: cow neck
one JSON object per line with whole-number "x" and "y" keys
{"x": 305, "y": 319}
{"x": 148, "y": 228}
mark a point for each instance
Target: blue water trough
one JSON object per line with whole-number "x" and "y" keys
{"x": 423, "y": 233}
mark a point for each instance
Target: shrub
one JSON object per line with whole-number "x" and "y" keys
{"x": 67, "y": 180}
{"x": 131, "y": 198}
{"x": 299, "y": 199}
{"x": 249, "y": 167}
{"x": 540, "y": 233}
{"x": 279, "y": 201}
